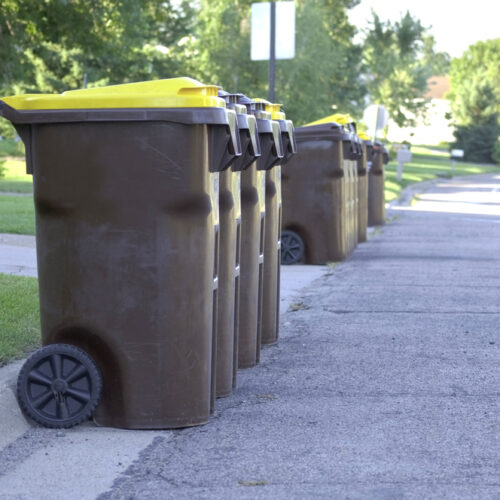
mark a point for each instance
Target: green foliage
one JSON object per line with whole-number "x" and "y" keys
{"x": 220, "y": 47}
{"x": 399, "y": 58}
{"x": 3, "y": 168}
{"x": 477, "y": 71}
{"x": 478, "y": 140}
{"x": 56, "y": 45}
{"x": 311, "y": 84}
{"x": 438, "y": 63}
{"x": 496, "y": 152}
{"x": 50, "y": 46}
{"x": 11, "y": 147}
{"x": 475, "y": 100}
{"x": 20, "y": 318}
{"x": 7, "y": 131}
{"x": 220, "y": 53}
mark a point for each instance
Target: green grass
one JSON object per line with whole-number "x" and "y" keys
{"x": 428, "y": 164}
{"x": 15, "y": 178}
{"x": 17, "y": 214}
{"x": 20, "y": 317}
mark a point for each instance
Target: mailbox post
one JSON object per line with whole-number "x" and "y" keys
{"x": 404, "y": 156}
{"x": 455, "y": 153}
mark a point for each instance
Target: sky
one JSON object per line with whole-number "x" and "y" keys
{"x": 455, "y": 24}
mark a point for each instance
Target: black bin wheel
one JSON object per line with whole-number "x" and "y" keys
{"x": 292, "y": 248}
{"x": 59, "y": 386}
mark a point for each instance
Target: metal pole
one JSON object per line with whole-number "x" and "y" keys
{"x": 399, "y": 174}
{"x": 272, "y": 52}
{"x": 376, "y": 123}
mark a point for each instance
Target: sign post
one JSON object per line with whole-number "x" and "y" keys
{"x": 455, "y": 153}
{"x": 376, "y": 117}
{"x": 272, "y": 52}
{"x": 404, "y": 156}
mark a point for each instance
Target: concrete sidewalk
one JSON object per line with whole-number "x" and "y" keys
{"x": 18, "y": 255}
{"x": 384, "y": 385}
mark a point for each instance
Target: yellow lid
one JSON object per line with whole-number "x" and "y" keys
{"x": 273, "y": 108}
{"x": 363, "y": 136}
{"x": 258, "y": 99}
{"x": 170, "y": 93}
{"x": 337, "y": 118}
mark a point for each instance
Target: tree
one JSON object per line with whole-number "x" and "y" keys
{"x": 475, "y": 100}
{"x": 438, "y": 63}
{"x": 220, "y": 48}
{"x": 479, "y": 140}
{"x": 325, "y": 75}
{"x": 324, "y": 72}
{"x": 475, "y": 105}
{"x": 475, "y": 82}
{"x": 50, "y": 45}
{"x": 399, "y": 58}
{"x": 53, "y": 46}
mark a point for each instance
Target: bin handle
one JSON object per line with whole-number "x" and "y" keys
{"x": 10, "y": 113}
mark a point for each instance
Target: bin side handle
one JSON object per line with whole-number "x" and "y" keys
{"x": 24, "y": 131}
{"x": 9, "y": 112}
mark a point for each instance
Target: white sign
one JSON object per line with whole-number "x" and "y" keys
{"x": 375, "y": 118}
{"x": 404, "y": 155}
{"x": 457, "y": 153}
{"x": 261, "y": 31}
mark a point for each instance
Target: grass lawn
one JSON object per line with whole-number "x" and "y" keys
{"x": 428, "y": 164}
{"x": 15, "y": 179}
{"x": 19, "y": 318}
{"x": 17, "y": 214}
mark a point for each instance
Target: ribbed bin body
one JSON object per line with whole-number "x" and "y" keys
{"x": 252, "y": 240}
{"x": 272, "y": 243}
{"x": 126, "y": 230}
{"x": 376, "y": 188}
{"x": 363, "y": 189}
{"x": 253, "y": 234}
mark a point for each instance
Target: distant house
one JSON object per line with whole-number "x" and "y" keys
{"x": 435, "y": 128}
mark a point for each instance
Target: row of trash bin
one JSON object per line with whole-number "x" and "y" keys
{"x": 158, "y": 224}
{"x": 332, "y": 190}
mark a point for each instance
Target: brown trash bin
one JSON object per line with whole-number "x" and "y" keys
{"x": 362, "y": 165}
{"x": 230, "y": 246}
{"x": 125, "y": 181}
{"x": 376, "y": 186}
{"x": 351, "y": 153}
{"x": 313, "y": 192}
{"x": 253, "y": 204}
{"x": 272, "y": 240}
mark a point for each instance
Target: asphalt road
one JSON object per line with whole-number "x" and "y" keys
{"x": 384, "y": 385}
